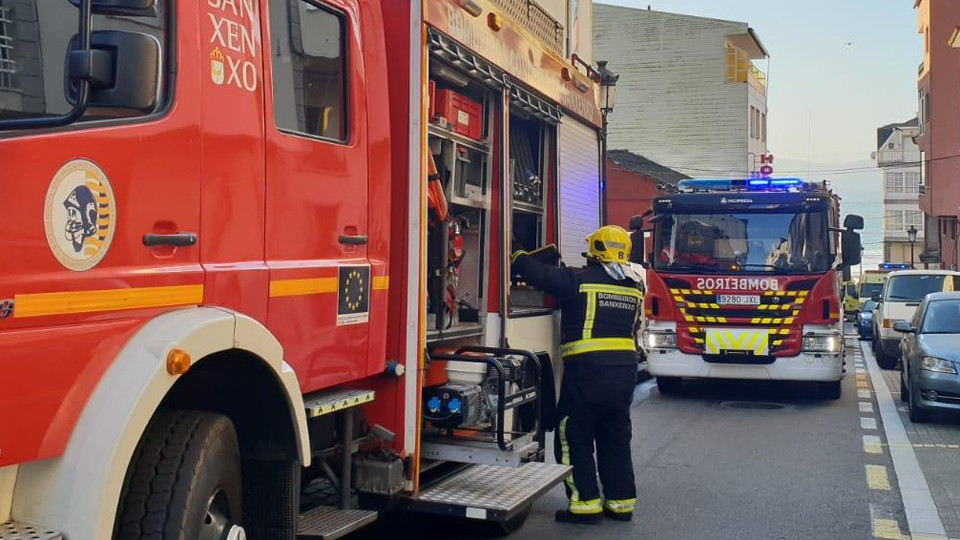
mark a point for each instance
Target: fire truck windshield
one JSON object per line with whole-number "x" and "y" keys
{"x": 743, "y": 242}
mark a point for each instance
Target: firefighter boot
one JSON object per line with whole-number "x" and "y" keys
{"x": 566, "y": 516}
{"x": 620, "y": 510}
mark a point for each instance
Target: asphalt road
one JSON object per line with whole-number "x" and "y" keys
{"x": 789, "y": 466}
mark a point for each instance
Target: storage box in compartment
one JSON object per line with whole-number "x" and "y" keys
{"x": 463, "y": 115}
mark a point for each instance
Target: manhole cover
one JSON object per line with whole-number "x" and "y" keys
{"x": 757, "y": 405}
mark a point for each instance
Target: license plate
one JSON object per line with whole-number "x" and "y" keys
{"x": 739, "y": 299}
{"x": 737, "y": 341}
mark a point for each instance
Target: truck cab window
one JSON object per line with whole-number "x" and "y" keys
{"x": 309, "y": 71}
{"x": 34, "y": 38}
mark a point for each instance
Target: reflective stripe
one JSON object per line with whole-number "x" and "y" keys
{"x": 620, "y": 506}
{"x": 565, "y": 459}
{"x": 591, "y": 314}
{"x": 610, "y": 289}
{"x": 596, "y": 345}
{"x": 585, "y": 507}
{"x": 516, "y": 254}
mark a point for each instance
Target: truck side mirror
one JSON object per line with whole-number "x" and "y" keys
{"x": 125, "y": 67}
{"x": 875, "y": 296}
{"x": 129, "y": 8}
{"x": 853, "y": 222}
{"x": 850, "y": 247}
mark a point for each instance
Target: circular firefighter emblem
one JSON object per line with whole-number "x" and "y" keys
{"x": 79, "y": 215}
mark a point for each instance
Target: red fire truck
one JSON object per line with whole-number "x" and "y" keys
{"x": 256, "y": 280}
{"x": 743, "y": 282}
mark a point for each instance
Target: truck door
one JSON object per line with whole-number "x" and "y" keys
{"x": 317, "y": 175}
{"x": 100, "y": 220}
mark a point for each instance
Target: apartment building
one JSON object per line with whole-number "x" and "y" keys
{"x": 898, "y": 156}
{"x": 938, "y": 87}
{"x": 691, "y": 95}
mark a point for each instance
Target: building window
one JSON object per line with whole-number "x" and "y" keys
{"x": 911, "y": 182}
{"x": 752, "y": 131}
{"x": 763, "y": 127}
{"x": 913, "y": 218}
{"x": 309, "y": 69}
{"x": 893, "y": 220}
{"x": 894, "y": 182}
{"x": 8, "y": 67}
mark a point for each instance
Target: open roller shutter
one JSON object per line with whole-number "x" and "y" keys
{"x": 579, "y": 188}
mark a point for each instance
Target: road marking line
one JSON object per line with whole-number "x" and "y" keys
{"x": 863, "y": 393}
{"x": 861, "y": 376}
{"x": 884, "y": 525}
{"x": 868, "y": 423}
{"x": 871, "y": 444}
{"x": 877, "y": 477}
{"x": 888, "y": 529}
{"x": 922, "y": 515}
{"x": 866, "y": 406}
{"x": 862, "y": 384}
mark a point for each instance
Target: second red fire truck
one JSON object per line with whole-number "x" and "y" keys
{"x": 743, "y": 282}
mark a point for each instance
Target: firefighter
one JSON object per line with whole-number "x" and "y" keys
{"x": 600, "y": 309}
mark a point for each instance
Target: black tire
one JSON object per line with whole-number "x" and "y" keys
{"x": 873, "y": 342}
{"x": 830, "y": 390}
{"x": 184, "y": 481}
{"x": 916, "y": 412}
{"x": 904, "y": 391}
{"x": 669, "y": 386}
{"x": 884, "y": 360}
{"x": 512, "y": 525}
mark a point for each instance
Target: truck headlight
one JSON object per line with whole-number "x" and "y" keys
{"x": 938, "y": 365}
{"x": 659, "y": 340}
{"x": 822, "y": 343}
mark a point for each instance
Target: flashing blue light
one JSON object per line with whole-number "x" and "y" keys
{"x": 747, "y": 184}
{"x": 892, "y": 266}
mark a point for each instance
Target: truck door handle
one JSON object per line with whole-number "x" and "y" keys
{"x": 176, "y": 239}
{"x": 353, "y": 239}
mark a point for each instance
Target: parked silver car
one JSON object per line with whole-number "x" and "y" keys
{"x": 930, "y": 351}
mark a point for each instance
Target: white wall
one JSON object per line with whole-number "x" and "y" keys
{"x": 673, "y": 103}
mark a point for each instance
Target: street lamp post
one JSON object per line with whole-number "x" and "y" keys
{"x": 608, "y": 91}
{"x": 912, "y": 237}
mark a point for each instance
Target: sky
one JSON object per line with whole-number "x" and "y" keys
{"x": 826, "y": 98}
{"x": 838, "y": 70}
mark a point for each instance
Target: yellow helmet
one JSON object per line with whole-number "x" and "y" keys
{"x": 609, "y": 244}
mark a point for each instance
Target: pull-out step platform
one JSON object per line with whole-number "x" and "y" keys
{"x": 14, "y": 530}
{"x": 321, "y": 403}
{"x": 326, "y": 523}
{"x": 488, "y": 492}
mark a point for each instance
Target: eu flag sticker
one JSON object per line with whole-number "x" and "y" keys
{"x": 353, "y": 295}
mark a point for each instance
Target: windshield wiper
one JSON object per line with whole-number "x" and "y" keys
{"x": 687, "y": 268}
{"x": 898, "y": 297}
{"x": 757, "y": 265}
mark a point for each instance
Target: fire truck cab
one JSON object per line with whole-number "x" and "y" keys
{"x": 743, "y": 282}
{"x": 258, "y": 279}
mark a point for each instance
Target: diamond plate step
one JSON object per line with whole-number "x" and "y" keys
{"x": 14, "y": 530}
{"x": 322, "y": 403}
{"x": 326, "y": 523}
{"x": 489, "y": 492}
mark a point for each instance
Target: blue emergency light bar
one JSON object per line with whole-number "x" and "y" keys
{"x": 892, "y": 266}
{"x": 739, "y": 184}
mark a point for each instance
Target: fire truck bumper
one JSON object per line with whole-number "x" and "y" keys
{"x": 803, "y": 367}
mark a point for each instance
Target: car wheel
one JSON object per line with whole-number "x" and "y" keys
{"x": 873, "y": 342}
{"x": 918, "y": 414}
{"x": 884, "y": 360}
{"x": 904, "y": 391}
{"x": 669, "y": 385}
{"x": 830, "y": 390}
{"x": 184, "y": 481}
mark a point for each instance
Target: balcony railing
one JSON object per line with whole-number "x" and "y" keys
{"x": 885, "y": 157}
{"x": 920, "y": 69}
{"x": 535, "y": 20}
{"x": 741, "y": 70}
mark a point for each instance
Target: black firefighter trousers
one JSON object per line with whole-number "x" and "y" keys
{"x": 594, "y": 408}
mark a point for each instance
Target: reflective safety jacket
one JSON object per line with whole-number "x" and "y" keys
{"x": 599, "y": 314}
